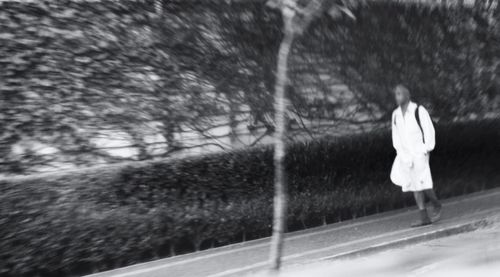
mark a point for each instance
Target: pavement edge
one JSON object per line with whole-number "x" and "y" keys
{"x": 423, "y": 237}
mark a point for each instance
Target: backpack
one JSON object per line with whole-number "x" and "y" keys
{"x": 417, "y": 117}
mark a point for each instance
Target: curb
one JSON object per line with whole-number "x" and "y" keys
{"x": 361, "y": 251}
{"x": 427, "y": 236}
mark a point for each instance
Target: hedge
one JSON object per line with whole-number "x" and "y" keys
{"x": 99, "y": 219}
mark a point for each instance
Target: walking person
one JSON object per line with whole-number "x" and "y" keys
{"x": 413, "y": 137}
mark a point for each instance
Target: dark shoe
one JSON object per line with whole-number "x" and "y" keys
{"x": 436, "y": 213}
{"x": 424, "y": 219}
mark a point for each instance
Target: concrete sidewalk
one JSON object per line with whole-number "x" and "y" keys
{"x": 342, "y": 240}
{"x": 469, "y": 254}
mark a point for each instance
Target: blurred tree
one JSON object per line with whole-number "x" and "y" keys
{"x": 75, "y": 73}
{"x": 436, "y": 52}
{"x": 297, "y": 15}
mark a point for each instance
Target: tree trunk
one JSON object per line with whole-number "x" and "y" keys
{"x": 233, "y": 124}
{"x": 172, "y": 249}
{"x": 158, "y": 7}
{"x": 280, "y": 186}
{"x": 169, "y": 134}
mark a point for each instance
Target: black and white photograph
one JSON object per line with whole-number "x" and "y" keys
{"x": 249, "y": 138}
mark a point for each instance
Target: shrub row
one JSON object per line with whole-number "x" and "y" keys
{"x": 99, "y": 219}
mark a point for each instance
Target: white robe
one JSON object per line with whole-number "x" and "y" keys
{"x": 411, "y": 170}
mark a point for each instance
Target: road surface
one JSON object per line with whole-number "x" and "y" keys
{"x": 475, "y": 253}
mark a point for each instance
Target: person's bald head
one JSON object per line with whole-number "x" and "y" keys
{"x": 402, "y": 94}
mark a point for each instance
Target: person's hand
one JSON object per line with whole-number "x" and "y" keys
{"x": 408, "y": 164}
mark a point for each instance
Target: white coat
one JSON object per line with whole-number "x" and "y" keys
{"x": 411, "y": 170}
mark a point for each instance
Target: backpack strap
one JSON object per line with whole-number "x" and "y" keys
{"x": 417, "y": 116}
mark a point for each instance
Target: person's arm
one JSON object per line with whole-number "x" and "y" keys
{"x": 396, "y": 143}
{"x": 428, "y": 129}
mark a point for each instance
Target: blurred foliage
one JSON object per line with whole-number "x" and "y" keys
{"x": 73, "y": 69}
{"x": 447, "y": 55}
{"x": 73, "y": 224}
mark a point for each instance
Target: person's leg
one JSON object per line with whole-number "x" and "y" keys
{"x": 424, "y": 217}
{"x": 420, "y": 199}
{"x": 431, "y": 195}
{"x": 436, "y": 211}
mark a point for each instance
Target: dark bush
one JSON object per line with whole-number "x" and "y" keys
{"x": 98, "y": 219}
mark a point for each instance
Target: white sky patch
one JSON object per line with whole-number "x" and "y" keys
{"x": 115, "y": 143}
